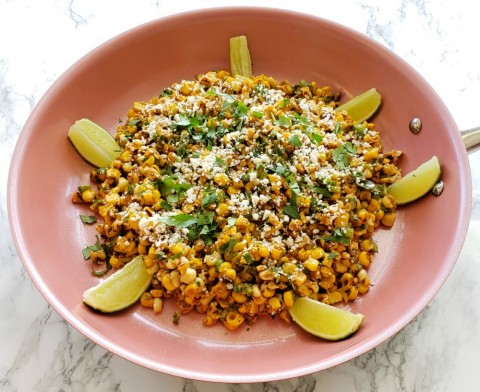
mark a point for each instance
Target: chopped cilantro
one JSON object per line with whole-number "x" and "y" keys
{"x": 283, "y": 121}
{"x": 295, "y": 140}
{"x": 180, "y": 220}
{"x": 92, "y": 248}
{"x": 340, "y": 155}
{"x": 291, "y": 209}
{"x": 88, "y": 219}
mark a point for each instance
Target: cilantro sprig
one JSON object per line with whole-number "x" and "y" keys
{"x": 340, "y": 155}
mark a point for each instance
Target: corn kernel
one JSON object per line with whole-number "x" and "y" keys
{"x": 311, "y": 264}
{"x": 274, "y": 304}
{"x": 288, "y": 298}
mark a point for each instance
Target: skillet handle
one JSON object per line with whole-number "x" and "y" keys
{"x": 471, "y": 138}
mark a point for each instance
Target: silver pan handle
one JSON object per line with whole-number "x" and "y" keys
{"x": 471, "y": 138}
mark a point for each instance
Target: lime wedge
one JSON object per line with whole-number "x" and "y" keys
{"x": 93, "y": 143}
{"x": 324, "y": 321}
{"x": 121, "y": 289}
{"x": 363, "y": 106}
{"x": 240, "y": 61}
{"x": 417, "y": 183}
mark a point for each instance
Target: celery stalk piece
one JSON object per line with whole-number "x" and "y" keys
{"x": 240, "y": 61}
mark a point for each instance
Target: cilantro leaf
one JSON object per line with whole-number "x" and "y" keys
{"x": 283, "y": 121}
{"x": 209, "y": 198}
{"x": 291, "y": 209}
{"x": 88, "y": 219}
{"x": 316, "y": 138}
{"x": 248, "y": 258}
{"x": 227, "y": 247}
{"x": 340, "y": 155}
{"x": 180, "y": 220}
{"x": 295, "y": 140}
{"x": 92, "y": 248}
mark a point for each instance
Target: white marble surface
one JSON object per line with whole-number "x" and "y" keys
{"x": 39, "y": 351}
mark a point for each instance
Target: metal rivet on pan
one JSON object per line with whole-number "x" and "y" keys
{"x": 438, "y": 188}
{"x": 415, "y": 125}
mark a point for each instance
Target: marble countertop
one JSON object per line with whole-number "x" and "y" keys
{"x": 39, "y": 351}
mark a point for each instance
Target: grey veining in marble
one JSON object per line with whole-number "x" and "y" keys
{"x": 39, "y": 351}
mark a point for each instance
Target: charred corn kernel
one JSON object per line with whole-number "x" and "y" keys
{"x": 353, "y": 293}
{"x": 167, "y": 282}
{"x": 341, "y": 220}
{"x": 224, "y": 266}
{"x": 311, "y": 264}
{"x": 122, "y": 184}
{"x": 276, "y": 254}
{"x": 366, "y": 245}
{"x": 153, "y": 269}
{"x": 300, "y": 278}
{"x": 191, "y": 290}
{"x": 274, "y": 304}
{"x": 242, "y": 223}
{"x": 334, "y": 297}
{"x": 220, "y": 290}
{"x": 317, "y": 253}
{"x": 112, "y": 199}
{"x": 289, "y": 268}
{"x": 267, "y": 292}
{"x": 304, "y": 291}
{"x": 238, "y": 247}
{"x": 364, "y": 258}
{"x": 142, "y": 249}
{"x": 125, "y": 156}
{"x": 389, "y": 219}
{"x": 149, "y": 161}
{"x": 222, "y": 209}
{"x": 362, "y": 214}
{"x": 156, "y": 293}
{"x": 228, "y": 273}
{"x": 146, "y": 300}
{"x": 148, "y": 260}
{"x": 157, "y": 305}
{"x": 77, "y": 198}
{"x": 371, "y": 154}
{"x": 221, "y": 179}
{"x": 266, "y": 275}
{"x": 363, "y": 288}
{"x": 232, "y": 190}
{"x": 388, "y": 201}
{"x": 239, "y": 297}
{"x": 209, "y": 320}
{"x": 175, "y": 278}
{"x": 233, "y": 320}
{"x": 88, "y": 196}
{"x": 113, "y": 173}
{"x": 237, "y": 183}
{"x": 288, "y": 298}
{"x": 175, "y": 249}
{"x": 115, "y": 262}
{"x": 264, "y": 251}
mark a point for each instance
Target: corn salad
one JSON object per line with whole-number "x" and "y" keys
{"x": 242, "y": 194}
